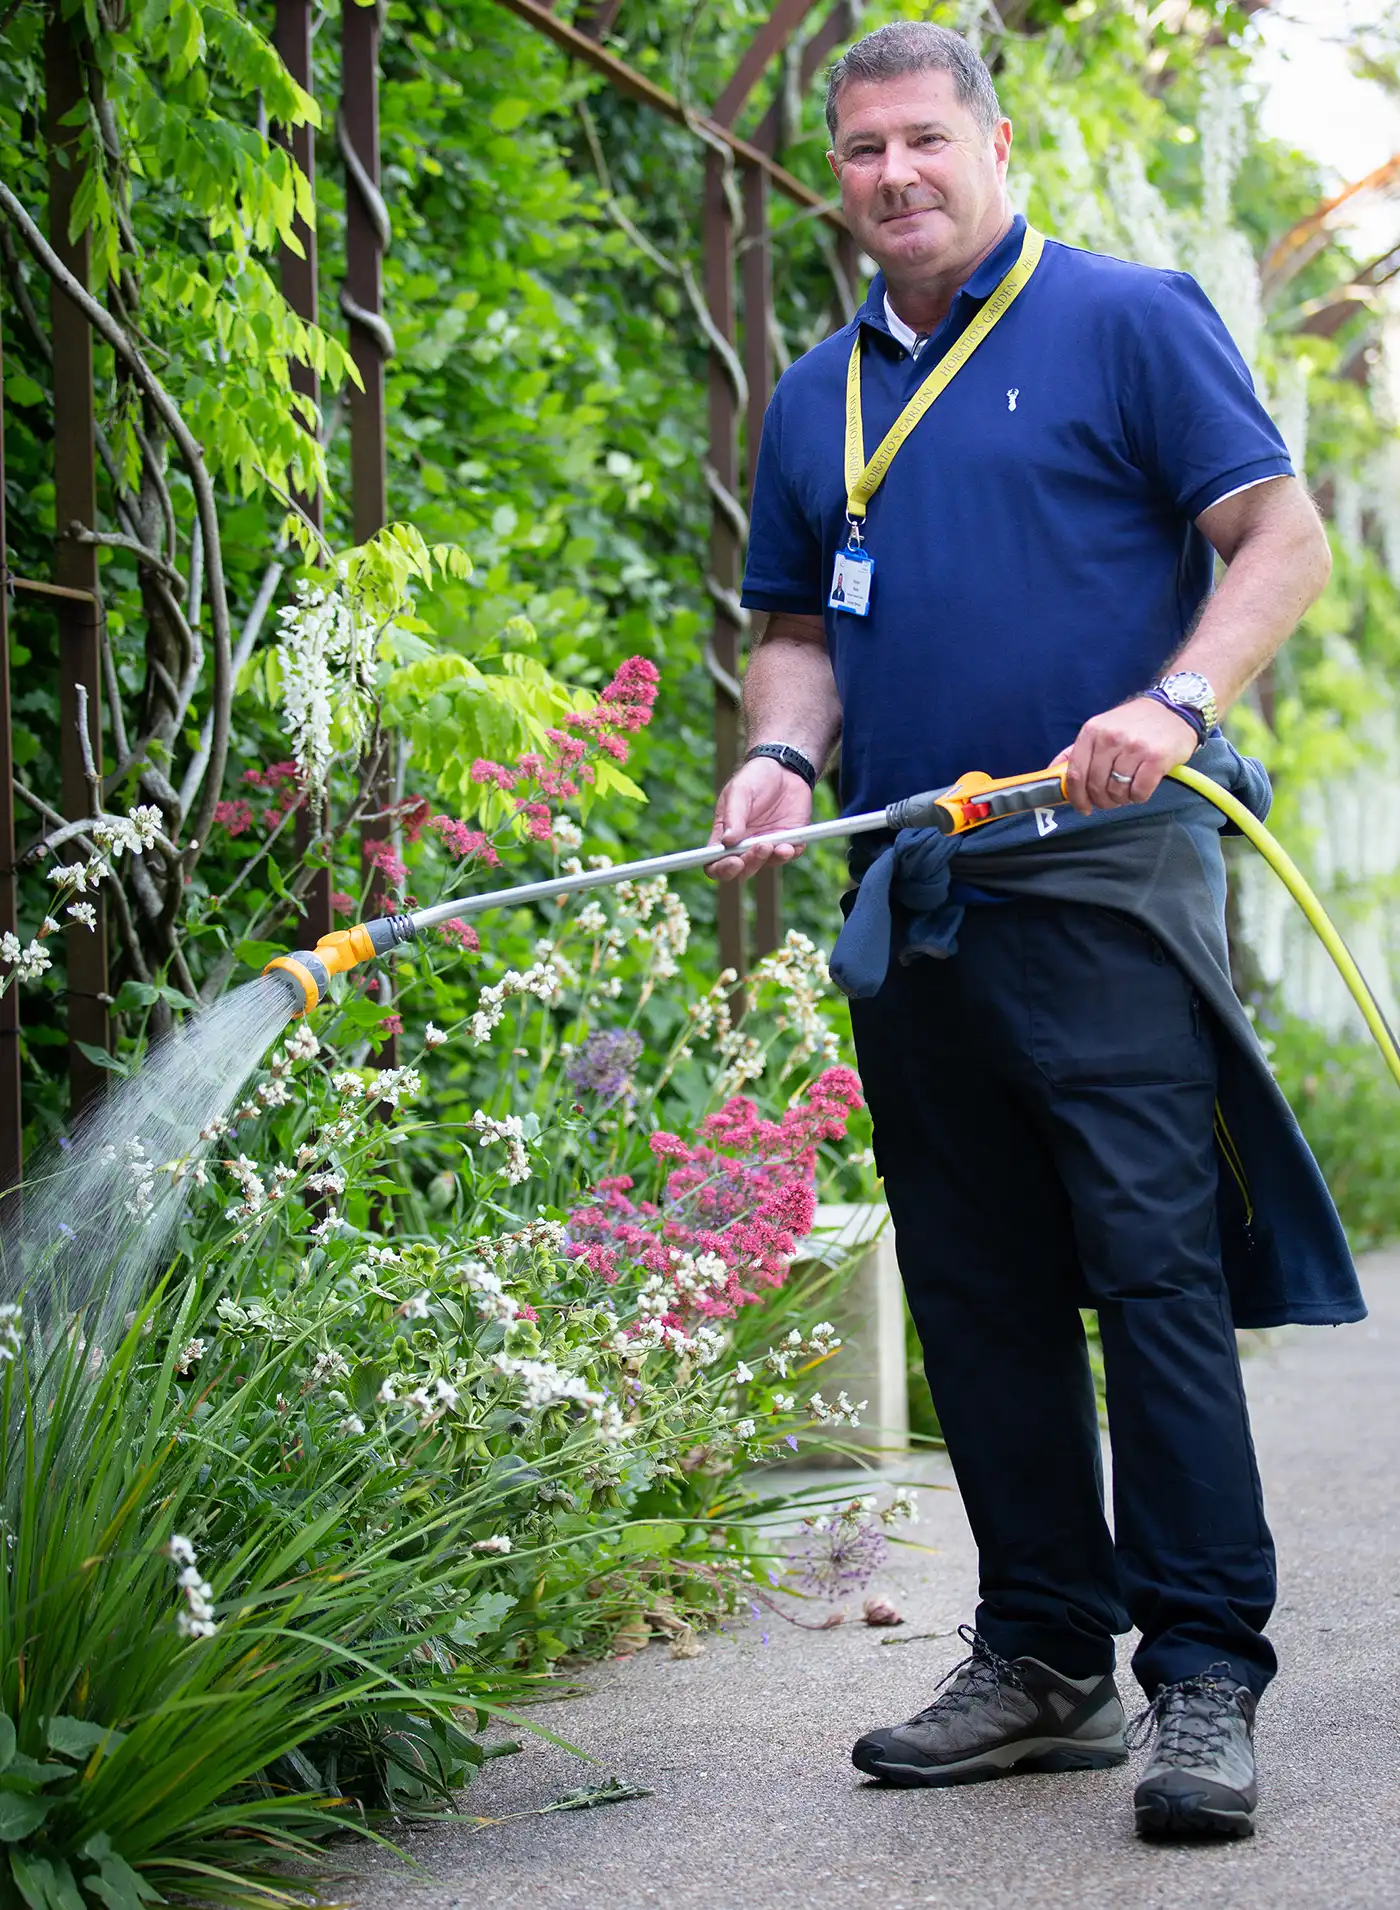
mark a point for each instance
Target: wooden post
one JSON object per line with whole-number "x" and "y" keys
{"x": 371, "y": 343}
{"x": 757, "y": 276}
{"x": 725, "y": 553}
{"x": 11, "y": 1107}
{"x": 291, "y": 35}
{"x": 75, "y": 565}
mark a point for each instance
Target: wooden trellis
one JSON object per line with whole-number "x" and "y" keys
{"x": 740, "y": 176}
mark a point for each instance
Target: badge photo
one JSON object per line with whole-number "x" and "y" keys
{"x": 851, "y": 579}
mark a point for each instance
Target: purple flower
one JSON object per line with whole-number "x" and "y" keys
{"x": 840, "y": 1556}
{"x": 791, "y": 1440}
{"x": 604, "y": 1064}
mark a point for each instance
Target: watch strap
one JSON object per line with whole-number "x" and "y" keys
{"x": 788, "y": 757}
{"x": 1184, "y": 710}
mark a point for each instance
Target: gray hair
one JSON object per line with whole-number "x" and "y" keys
{"x": 916, "y": 46}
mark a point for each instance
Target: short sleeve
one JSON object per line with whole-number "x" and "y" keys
{"x": 784, "y": 567}
{"x": 1194, "y": 421}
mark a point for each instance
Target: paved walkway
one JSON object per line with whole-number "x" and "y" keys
{"x": 756, "y": 1806}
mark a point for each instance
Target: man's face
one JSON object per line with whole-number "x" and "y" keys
{"x": 921, "y": 183}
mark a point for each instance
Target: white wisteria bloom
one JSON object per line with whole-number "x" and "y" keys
{"x": 327, "y": 663}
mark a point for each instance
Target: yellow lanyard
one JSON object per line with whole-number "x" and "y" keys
{"x": 862, "y": 479}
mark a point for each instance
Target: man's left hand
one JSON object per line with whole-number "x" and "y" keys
{"x": 1121, "y": 756}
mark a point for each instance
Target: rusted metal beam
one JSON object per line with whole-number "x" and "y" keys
{"x": 786, "y": 17}
{"x": 11, "y": 1104}
{"x": 839, "y": 25}
{"x": 75, "y": 564}
{"x": 371, "y": 343}
{"x": 637, "y": 86}
{"x": 597, "y": 18}
{"x": 291, "y": 35}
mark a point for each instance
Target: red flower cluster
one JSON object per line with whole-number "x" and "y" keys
{"x": 382, "y": 855}
{"x": 460, "y": 932}
{"x": 236, "y": 817}
{"x": 746, "y": 1206}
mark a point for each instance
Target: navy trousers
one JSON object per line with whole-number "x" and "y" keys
{"x": 1043, "y": 1105}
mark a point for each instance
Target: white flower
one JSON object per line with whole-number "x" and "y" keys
{"x": 511, "y": 1131}
{"x": 180, "y": 1549}
{"x": 433, "y": 1037}
{"x": 83, "y": 912}
{"x": 784, "y": 1402}
{"x": 743, "y": 1374}
{"x": 301, "y": 1044}
{"x": 348, "y": 1086}
{"x": 351, "y": 1426}
{"x": 499, "y": 1544}
{"x": 327, "y": 659}
{"x": 843, "y": 1413}
{"x": 196, "y": 1618}
{"x": 414, "y": 1309}
{"x": 392, "y": 1085}
{"x": 9, "y": 947}
{"x": 11, "y": 1316}
{"x": 189, "y": 1356}
{"x": 544, "y": 1384}
{"x": 743, "y": 1429}
{"x": 567, "y": 834}
{"x": 29, "y": 963}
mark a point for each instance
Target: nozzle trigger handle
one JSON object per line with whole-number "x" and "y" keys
{"x": 920, "y": 812}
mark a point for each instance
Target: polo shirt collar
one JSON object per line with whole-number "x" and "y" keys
{"x": 980, "y": 286}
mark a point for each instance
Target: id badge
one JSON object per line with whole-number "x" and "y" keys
{"x": 852, "y": 579}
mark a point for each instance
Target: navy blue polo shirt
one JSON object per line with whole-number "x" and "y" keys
{"x": 1036, "y": 558}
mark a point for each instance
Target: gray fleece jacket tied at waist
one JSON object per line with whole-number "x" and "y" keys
{"x": 1285, "y": 1253}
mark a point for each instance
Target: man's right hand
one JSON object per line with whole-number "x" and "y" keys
{"x": 759, "y": 799}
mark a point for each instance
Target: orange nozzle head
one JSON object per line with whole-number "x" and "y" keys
{"x": 346, "y": 948}
{"x": 311, "y": 969}
{"x": 301, "y": 977}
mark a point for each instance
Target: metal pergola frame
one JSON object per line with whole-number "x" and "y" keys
{"x": 737, "y": 276}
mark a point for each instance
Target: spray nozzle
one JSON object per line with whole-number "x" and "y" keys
{"x": 310, "y": 969}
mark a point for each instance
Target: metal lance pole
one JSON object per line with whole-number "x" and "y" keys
{"x": 291, "y": 35}
{"x": 75, "y": 565}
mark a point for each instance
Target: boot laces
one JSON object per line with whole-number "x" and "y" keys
{"x": 1191, "y": 1718}
{"x": 981, "y": 1675}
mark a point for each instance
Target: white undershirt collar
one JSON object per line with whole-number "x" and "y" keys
{"x": 912, "y": 341}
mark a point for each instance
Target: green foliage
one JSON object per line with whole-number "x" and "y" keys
{"x": 1344, "y": 1098}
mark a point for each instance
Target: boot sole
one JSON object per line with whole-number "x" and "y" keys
{"x": 1027, "y": 1758}
{"x": 1164, "y": 1818}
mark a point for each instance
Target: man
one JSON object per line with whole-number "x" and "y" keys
{"x": 1005, "y": 590}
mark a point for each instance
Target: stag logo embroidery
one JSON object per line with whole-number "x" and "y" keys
{"x": 1012, "y": 396}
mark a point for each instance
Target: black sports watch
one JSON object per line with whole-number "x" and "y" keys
{"x": 789, "y": 757}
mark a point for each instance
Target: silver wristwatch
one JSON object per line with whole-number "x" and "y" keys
{"x": 1191, "y": 690}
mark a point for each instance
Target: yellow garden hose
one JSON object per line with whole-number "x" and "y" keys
{"x": 1298, "y": 886}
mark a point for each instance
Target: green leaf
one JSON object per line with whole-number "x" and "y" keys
{"x": 33, "y": 1878}
{"x": 118, "y": 1885}
{"x": 20, "y": 1816}
{"x": 507, "y": 114}
{"x": 22, "y": 390}
{"x": 77, "y": 1737}
{"x": 100, "y": 1058}
{"x": 8, "y": 1740}
{"x": 259, "y": 954}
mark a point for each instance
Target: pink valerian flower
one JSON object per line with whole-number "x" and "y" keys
{"x": 341, "y": 903}
{"x": 287, "y": 784}
{"x": 460, "y": 932}
{"x": 485, "y": 771}
{"x": 236, "y": 817}
{"x": 412, "y": 817}
{"x": 736, "y": 1202}
{"x": 462, "y": 840}
{"x": 537, "y": 820}
{"x": 381, "y": 854}
{"x": 392, "y": 1025}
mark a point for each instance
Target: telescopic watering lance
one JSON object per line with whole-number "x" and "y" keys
{"x": 970, "y": 802}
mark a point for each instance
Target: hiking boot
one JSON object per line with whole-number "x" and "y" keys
{"x": 1199, "y": 1780}
{"x": 997, "y": 1716}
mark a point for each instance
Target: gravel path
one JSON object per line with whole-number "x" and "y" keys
{"x": 756, "y": 1806}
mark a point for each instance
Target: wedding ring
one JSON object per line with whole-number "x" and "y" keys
{"x": 1115, "y": 776}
